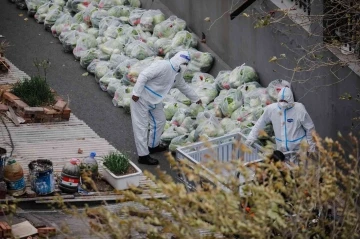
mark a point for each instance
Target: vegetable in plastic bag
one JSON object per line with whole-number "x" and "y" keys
{"x": 232, "y": 101}
{"x": 120, "y": 11}
{"x": 151, "y": 41}
{"x": 169, "y": 134}
{"x": 105, "y": 80}
{"x": 151, "y": 18}
{"x": 112, "y": 46}
{"x": 200, "y": 61}
{"x": 171, "y": 107}
{"x": 169, "y": 27}
{"x": 257, "y": 97}
{"x": 64, "y": 21}
{"x": 179, "y": 141}
{"x": 91, "y": 67}
{"x": 101, "y": 69}
{"x": 222, "y": 80}
{"x": 176, "y": 93}
{"x": 248, "y": 87}
{"x": 121, "y": 95}
{"x": 242, "y": 74}
{"x": 97, "y": 16}
{"x": 88, "y": 57}
{"x": 135, "y": 16}
{"x": 116, "y": 59}
{"x": 113, "y": 85}
{"x": 93, "y": 31}
{"x": 184, "y": 38}
{"x": 83, "y": 43}
{"x": 79, "y": 5}
{"x": 139, "y": 50}
{"x": 162, "y": 46}
{"x": 207, "y": 92}
{"x": 209, "y": 126}
{"x": 179, "y": 116}
{"x": 87, "y": 13}
{"x": 69, "y": 40}
{"x": 135, "y": 3}
{"x": 33, "y": 5}
{"x": 275, "y": 87}
{"x": 195, "y": 109}
{"x": 123, "y": 68}
{"x": 41, "y": 12}
{"x": 188, "y": 123}
{"x": 105, "y": 22}
{"x": 107, "y": 4}
{"x": 52, "y": 16}
{"x": 200, "y": 78}
{"x": 228, "y": 125}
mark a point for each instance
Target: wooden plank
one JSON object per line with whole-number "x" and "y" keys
{"x": 34, "y": 220}
{"x": 13, "y": 116}
{"x": 14, "y": 199}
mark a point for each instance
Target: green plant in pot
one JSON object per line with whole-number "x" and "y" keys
{"x": 117, "y": 162}
{"x": 35, "y": 91}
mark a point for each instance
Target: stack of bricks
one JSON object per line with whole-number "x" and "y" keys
{"x": 59, "y": 112}
{"x": 46, "y": 231}
{"x": 5, "y": 230}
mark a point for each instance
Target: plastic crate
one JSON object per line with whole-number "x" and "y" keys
{"x": 223, "y": 148}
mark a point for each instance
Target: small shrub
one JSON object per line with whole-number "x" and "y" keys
{"x": 35, "y": 92}
{"x": 118, "y": 163}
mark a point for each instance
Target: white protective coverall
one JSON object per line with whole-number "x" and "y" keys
{"x": 291, "y": 123}
{"x": 152, "y": 86}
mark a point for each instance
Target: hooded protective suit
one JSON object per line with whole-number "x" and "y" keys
{"x": 290, "y": 121}
{"x": 152, "y": 86}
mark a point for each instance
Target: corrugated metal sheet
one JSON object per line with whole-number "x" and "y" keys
{"x": 58, "y": 141}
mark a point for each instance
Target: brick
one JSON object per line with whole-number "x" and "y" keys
{"x": 49, "y": 111}
{"x": 20, "y": 104}
{"x": 57, "y": 98}
{"x": 60, "y": 105}
{"x": 10, "y": 96}
{"x": 46, "y": 231}
{"x": 4, "y": 107}
{"x": 65, "y": 116}
{"x": 34, "y": 110}
{"x": 67, "y": 110}
{"x": 6, "y": 229}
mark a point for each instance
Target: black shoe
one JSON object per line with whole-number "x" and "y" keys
{"x": 159, "y": 148}
{"x": 148, "y": 160}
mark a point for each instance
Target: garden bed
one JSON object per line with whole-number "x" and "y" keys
{"x": 51, "y": 113}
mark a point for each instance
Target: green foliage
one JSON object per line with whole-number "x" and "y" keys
{"x": 35, "y": 92}
{"x": 118, "y": 163}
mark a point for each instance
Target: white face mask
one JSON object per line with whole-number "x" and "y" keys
{"x": 283, "y": 105}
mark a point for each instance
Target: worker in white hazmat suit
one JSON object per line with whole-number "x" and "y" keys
{"x": 152, "y": 86}
{"x": 291, "y": 123}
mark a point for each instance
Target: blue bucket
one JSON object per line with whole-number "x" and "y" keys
{"x": 41, "y": 176}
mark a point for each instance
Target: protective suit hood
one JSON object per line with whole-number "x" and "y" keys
{"x": 180, "y": 58}
{"x": 286, "y": 94}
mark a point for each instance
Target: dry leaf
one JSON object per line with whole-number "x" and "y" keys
{"x": 207, "y": 19}
{"x": 21, "y": 14}
{"x": 273, "y": 59}
{"x": 246, "y": 15}
{"x": 283, "y": 55}
{"x": 85, "y": 74}
{"x": 25, "y": 19}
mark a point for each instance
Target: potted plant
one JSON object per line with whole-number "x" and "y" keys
{"x": 120, "y": 172}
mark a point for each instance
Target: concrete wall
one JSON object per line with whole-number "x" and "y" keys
{"x": 236, "y": 41}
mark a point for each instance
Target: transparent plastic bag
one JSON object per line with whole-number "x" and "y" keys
{"x": 248, "y": 87}
{"x": 179, "y": 116}
{"x": 107, "y": 4}
{"x": 106, "y": 22}
{"x": 52, "y": 16}
{"x": 162, "y": 46}
{"x": 195, "y": 109}
{"x": 91, "y": 67}
{"x": 97, "y": 16}
{"x": 275, "y": 87}
{"x": 169, "y": 134}
{"x": 88, "y": 57}
{"x": 229, "y": 125}
{"x": 169, "y": 27}
{"x": 222, "y": 80}
{"x": 180, "y": 97}
{"x": 69, "y": 40}
{"x": 209, "y": 126}
{"x": 242, "y": 114}
{"x": 151, "y": 18}
{"x": 171, "y": 107}
{"x": 242, "y": 74}
{"x": 41, "y": 12}
{"x": 87, "y": 13}
{"x": 116, "y": 59}
{"x": 121, "y": 95}
{"x": 101, "y": 69}
{"x": 105, "y": 80}
{"x": 201, "y": 78}
{"x": 112, "y": 46}
{"x": 139, "y": 50}
{"x": 123, "y": 68}
{"x": 33, "y": 5}
{"x": 188, "y": 123}
{"x": 257, "y": 97}
{"x": 184, "y": 38}
{"x": 135, "y": 16}
{"x": 200, "y": 61}
{"x": 64, "y": 21}
{"x": 135, "y": 3}
{"x": 93, "y": 31}
{"x": 232, "y": 101}
{"x": 83, "y": 43}
{"x": 207, "y": 92}
{"x": 120, "y": 11}
{"x": 179, "y": 141}
{"x": 113, "y": 85}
